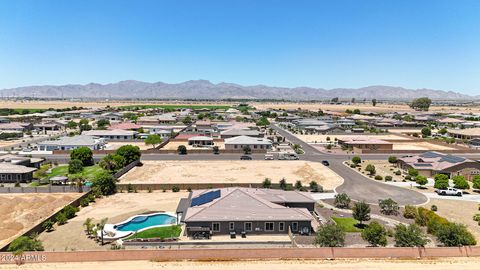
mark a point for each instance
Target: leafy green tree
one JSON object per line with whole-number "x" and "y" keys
{"x": 371, "y": 169}
{"x": 443, "y": 131}
{"x": 410, "y": 236}
{"x": 441, "y": 181}
{"x": 153, "y": 140}
{"x": 375, "y": 234}
{"x": 421, "y": 180}
{"x": 187, "y": 120}
{"x": 421, "y": 104}
{"x": 315, "y": 187}
{"x": 460, "y": 182}
{"x": 263, "y": 122}
{"x": 356, "y": 160}
{"x": 374, "y": 102}
{"x": 216, "y": 150}
{"x": 105, "y": 183}
{"x": 83, "y": 125}
{"x": 84, "y": 154}
{"x": 182, "y": 150}
{"x": 361, "y": 212}
{"x": 70, "y": 211}
{"x": 342, "y": 200}
{"x": 426, "y": 132}
{"x": 455, "y": 235}
{"x": 75, "y": 166}
{"x": 476, "y": 182}
{"x": 103, "y": 123}
{"x": 267, "y": 183}
{"x": 330, "y": 235}
{"x": 247, "y": 150}
{"x": 298, "y": 185}
{"x": 129, "y": 152}
{"x": 392, "y": 159}
{"x": 388, "y": 207}
{"x": 413, "y": 172}
{"x": 25, "y": 243}
{"x": 112, "y": 162}
{"x": 72, "y": 125}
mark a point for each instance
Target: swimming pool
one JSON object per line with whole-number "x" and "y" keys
{"x": 143, "y": 221}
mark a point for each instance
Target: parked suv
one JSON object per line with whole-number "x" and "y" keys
{"x": 245, "y": 158}
{"x": 449, "y": 192}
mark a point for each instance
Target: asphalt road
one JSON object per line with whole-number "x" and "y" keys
{"x": 357, "y": 186}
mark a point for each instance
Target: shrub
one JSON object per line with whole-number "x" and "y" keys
{"x": 175, "y": 188}
{"x": 371, "y": 169}
{"x": 421, "y": 180}
{"x": 70, "y": 211}
{"x": 378, "y": 177}
{"x": 392, "y": 159}
{"x": 130, "y": 188}
{"x": 25, "y": 243}
{"x": 267, "y": 183}
{"x": 476, "y": 182}
{"x": 398, "y": 172}
{"x": 283, "y": 184}
{"x": 104, "y": 183}
{"x": 298, "y": 185}
{"x": 342, "y": 200}
{"x": 388, "y": 207}
{"x": 388, "y": 178}
{"x": 129, "y": 152}
{"x": 75, "y": 166}
{"x": 409, "y": 236}
{"x": 453, "y": 235}
{"x": 413, "y": 172}
{"x": 375, "y": 234}
{"x": 48, "y": 225}
{"x": 441, "y": 181}
{"x": 434, "y": 208}
{"x": 430, "y": 219}
{"x": 61, "y": 218}
{"x": 410, "y": 212}
{"x": 314, "y": 187}
{"x": 84, "y": 202}
{"x": 330, "y": 235}
{"x": 460, "y": 182}
{"x": 408, "y": 177}
{"x": 356, "y": 160}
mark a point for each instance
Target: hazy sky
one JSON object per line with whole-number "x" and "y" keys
{"x": 337, "y": 43}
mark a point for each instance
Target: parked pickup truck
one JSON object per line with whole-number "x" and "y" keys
{"x": 449, "y": 192}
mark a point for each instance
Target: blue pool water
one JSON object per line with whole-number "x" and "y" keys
{"x": 138, "y": 223}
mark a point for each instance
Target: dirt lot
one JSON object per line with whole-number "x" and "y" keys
{"x": 20, "y": 212}
{"x": 338, "y": 264}
{"x": 173, "y": 145}
{"x": 420, "y": 146}
{"x": 383, "y": 168}
{"x": 116, "y": 208}
{"x": 458, "y": 211}
{"x": 232, "y": 172}
{"x": 323, "y": 138}
{"x": 116, "y": 145}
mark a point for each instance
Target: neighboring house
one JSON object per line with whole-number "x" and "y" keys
{"x": 111, "y": 116}
{"x": 474, "y": 143}
{"x": 359, "y": 144}
{"x": 20, "y": 160}
{"x": 465, "y": 134}
{"x": 11, "y": 173}
{"x": 17, "y": 126}
{"x": 234, "y": 132}
{"x": 246, "y": 210}
{"x": 50, "y": 125}
{"x": 237, "y": 143}
{"x": 125, "y": 126}
{"x": 70, "y": 143}
{"x": 430, "y": 163}
{"x": 200, "y": 141}
{"x": 112, "y": 135}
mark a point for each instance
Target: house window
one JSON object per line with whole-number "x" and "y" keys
{"x": 216, "y": 227}
{"x": 231, "y": 226}
{"x": 269, "y": 226}
{"x": 281, "y": 226}
{"x": 235, "y": 146}
{"x": 248, "y": 226}
{"x": 255, "y": 146}
{"x": 294, "y": 226}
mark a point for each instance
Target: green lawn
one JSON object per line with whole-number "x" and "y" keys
{"x": 347, "y": 224}
{"x": 175, "y": 107}
{"x": 160, "y": 233}
{"x": 88, "y": 172}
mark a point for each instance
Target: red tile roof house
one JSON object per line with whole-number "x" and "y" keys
{"x": 246, "y": 211}
{"x": 430, "y": 163}
{"x": 125, "y": 126}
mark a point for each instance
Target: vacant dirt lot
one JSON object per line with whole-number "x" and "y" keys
{"x": 20, "y": 212}
{"x": 116, "y": 145}
{"x": 338, "y": 264}
{"x": 323, "y": 138}
{"x": 458, "y": 211}
{"x": 116, "y": 208}
{"x": 232, "y": 172}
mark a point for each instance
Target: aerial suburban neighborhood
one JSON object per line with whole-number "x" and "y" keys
{"x": 240, "y": 135}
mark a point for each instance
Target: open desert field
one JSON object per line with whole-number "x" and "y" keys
{"x": 232, "y": 172}
{"x": 323, "y": 138}
{"x": 338, "y": 264}
{"x": 20, "y": 212}
{"x": 116, "y": 208}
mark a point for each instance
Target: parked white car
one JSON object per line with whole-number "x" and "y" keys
{"x": 449, "y": 192}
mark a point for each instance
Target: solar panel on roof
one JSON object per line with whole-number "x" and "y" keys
{"x": 452, "y": 159}
{"x": 431, "y": 155}
{"x": 206, "y": 197}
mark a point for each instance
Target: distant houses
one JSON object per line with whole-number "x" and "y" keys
{"x": 70, "y": 143}
{"x": 15, "y": 168}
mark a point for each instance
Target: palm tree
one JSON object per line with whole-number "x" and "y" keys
{"x": 100, "y": 226}
{"x": 88, "y": 226}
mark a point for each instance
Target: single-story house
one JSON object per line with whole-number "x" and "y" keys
{"x": 112, "y": 135}
{"x": 200, "y": 141}
{"x": 431, "y": 163}
{"x": 12, "y": 173}
{"x": 234, "y": 132}
{"x": 246, "y": 211}
{"x": 237, "y": 143}
{"x": 124, "y": 126}
{"x": 467, "y": 134}
{"x": 17, "y": 126}
{"x": 21, "y": 160}
{"x": 359, "y": 144}
{"x": 70, "y": 143}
